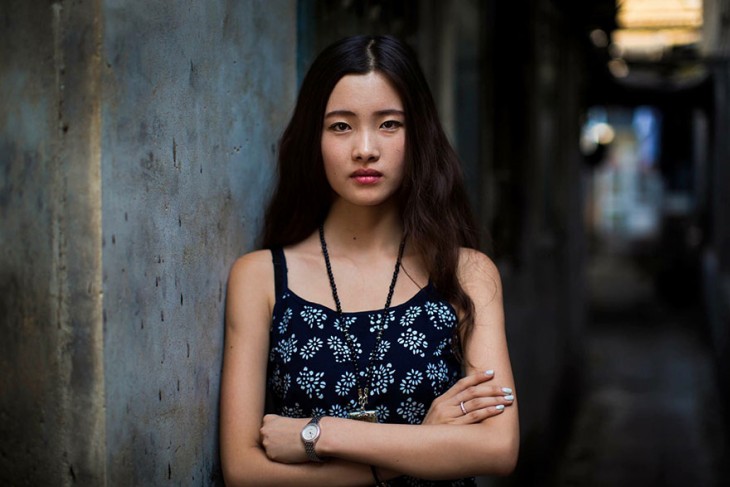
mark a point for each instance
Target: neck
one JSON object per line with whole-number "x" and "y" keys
{"x": 358, "y": 227}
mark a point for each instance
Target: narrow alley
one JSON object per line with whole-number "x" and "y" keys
{"x": 651, "y": 412}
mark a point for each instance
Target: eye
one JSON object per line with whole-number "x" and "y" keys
{"x": 339, "y": 127}
{"x": 391, "y": 124}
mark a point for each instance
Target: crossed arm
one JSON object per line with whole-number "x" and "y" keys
{"x": 258, "y": 450}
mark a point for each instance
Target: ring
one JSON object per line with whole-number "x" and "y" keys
{"x": 463, "y": 409}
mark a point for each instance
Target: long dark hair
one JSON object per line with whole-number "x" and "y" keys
{"x": 435, "y": 210}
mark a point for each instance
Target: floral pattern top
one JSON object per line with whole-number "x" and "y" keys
{"x": 311, "y": 373}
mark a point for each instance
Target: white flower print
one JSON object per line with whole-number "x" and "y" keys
{"x": 412, "y": 411}
{"x": 441, "y": 347}
{"x": 284, "y": 322}
{"x": 345, "y": 384}
{"x": 313, "y": 317}
{"x": 381, "y": 376}
{"x": 294, "y": 411}
{"x": 382, "y": 413}
{"x": 340, "y": 350}
{"x": 287, "y": 348}
{"x": 348, "y": 321}
{"x": 410, "y": 315}
{"x": 440, "y": 315}
{"x": 376, "y": 320}
{"x": 311, "y": 382}
{"x": 382, "y": 349}
{"x": 414, "y": 341}
{"x": 412, "y": 380}
{"x": 311, "y": 348}
{"x": 280, "y": 383}
{"x": 438, "y": 373}
{"x": 318, "y": 412}
{"x": 338, "y": 411}
{"x": 431, "y": 308}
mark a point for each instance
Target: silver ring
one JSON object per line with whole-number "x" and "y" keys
{"x": 463, "y": 409}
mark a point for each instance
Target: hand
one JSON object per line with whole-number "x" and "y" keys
{"x": 281, "y": 439}
{"x": 479, "y": 398}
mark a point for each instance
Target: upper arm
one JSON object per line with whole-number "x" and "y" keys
{"x": 249, "y": 303}
{"x": 486, "y": 348}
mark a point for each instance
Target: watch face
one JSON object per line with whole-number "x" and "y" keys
{"x": 310, "y": 432}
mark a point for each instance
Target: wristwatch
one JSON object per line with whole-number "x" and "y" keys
{"x": 310, "y": 435}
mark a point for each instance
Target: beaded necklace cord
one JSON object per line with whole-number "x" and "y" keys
{"x": 362, "y": 379}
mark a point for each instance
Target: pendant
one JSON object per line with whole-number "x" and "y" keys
{"x": 369, "y": 416}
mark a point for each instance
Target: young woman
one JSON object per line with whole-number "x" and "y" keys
{"x": 352, "y": 329}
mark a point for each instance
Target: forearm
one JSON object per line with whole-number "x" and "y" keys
{"x": 424, "y": 451}
{"x": 255, "y": 469}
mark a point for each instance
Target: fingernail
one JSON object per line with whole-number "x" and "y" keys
{"x": 509, "y": 398}
{"x": 499, "y": 407}
{"x": 489, "y": 372}
{"x": 507, "y": 390}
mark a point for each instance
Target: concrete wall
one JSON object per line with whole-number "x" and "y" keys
{"x": 136, "y": 153}
{"x": 51, "y": 387}
{"x": 195, "y": 99}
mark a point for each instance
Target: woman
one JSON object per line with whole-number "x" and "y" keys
{"x": 369, "y": 208}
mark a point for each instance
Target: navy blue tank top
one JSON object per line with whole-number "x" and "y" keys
{"x": 310, "y": 371}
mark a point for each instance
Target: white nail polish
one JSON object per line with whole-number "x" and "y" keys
{"x": 507, "y": 390}
{"x": 509, "y": 398}
{"x": 499, "y": 407}
{"x": 489, "y": 372}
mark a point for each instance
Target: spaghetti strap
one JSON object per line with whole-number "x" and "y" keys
{"x": 277, "y": 257}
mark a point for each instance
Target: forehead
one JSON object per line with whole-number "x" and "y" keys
{"x": 364, "y": 92}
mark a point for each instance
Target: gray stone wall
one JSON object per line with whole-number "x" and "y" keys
{"x": 194, "y": 103}
{"x": 51, "y": 386}
{"x": 136, "y": 153}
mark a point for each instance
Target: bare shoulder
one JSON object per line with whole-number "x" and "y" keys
{"x": 251, "y": 284}
{"x": 474, "y": 264}
{"x": 478, "y": 273}
{"x": 253, "y": 264}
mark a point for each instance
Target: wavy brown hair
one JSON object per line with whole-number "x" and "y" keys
{"x": 435, "y": 210}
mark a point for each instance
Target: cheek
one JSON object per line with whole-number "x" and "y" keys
{"x": 333, "y": 155}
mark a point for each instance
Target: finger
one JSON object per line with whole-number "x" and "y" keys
{"x": 479, "y": 415}
{"x": 468, "y": 381}
{"x": 487, "y": 402}
{"x": 483, "y": 390}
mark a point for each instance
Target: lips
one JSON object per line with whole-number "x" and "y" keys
{"x": 366, "y": 176}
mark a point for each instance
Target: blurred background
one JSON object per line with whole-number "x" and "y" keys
{"x": 137, "y": 154}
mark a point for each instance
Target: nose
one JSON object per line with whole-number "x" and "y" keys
{"x": 365, "y": 148}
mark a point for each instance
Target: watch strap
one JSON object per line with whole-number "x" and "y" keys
{"x": 309, "y": 444}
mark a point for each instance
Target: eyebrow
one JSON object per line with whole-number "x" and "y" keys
{"x": 348, "y": 113}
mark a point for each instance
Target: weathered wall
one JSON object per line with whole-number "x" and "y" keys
{"x": 136, "y": 147}
{"x": 195, "y": 98}
{"x": 51, "y": 392}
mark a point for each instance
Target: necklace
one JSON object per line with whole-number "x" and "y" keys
{"x": 362, "y": 379}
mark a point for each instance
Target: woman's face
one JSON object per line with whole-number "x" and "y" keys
{"x": 363, "y": 140}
